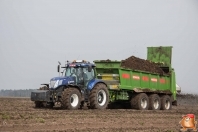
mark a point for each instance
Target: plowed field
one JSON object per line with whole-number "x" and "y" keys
{"x": 19, "y": 114}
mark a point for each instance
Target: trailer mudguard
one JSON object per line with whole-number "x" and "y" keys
{"x": 93, "y": 82}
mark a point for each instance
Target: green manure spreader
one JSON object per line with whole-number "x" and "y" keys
{"x": 140, "y": 84}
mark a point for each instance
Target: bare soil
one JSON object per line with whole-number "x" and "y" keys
{"x": 19, "y": 115}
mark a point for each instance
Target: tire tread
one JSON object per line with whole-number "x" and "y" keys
{"x": 65, "y": 98}
{"x": 93, "y": 96}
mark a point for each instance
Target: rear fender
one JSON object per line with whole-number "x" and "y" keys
{"x": 91, "y": 84}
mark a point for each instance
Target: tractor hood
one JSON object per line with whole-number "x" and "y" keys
{"x": 59, "y": 78}
{"x": 60, "y": 81}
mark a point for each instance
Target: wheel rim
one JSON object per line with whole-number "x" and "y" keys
{"x": 74, "y": 100}
{"x": 156, "y": 104}
{"x": 167, "y": 104}
{"x": 143, "y": 103}
{"x": 101, "y": 97}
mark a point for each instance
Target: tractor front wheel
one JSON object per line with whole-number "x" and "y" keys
{"x": 70, "y": 99}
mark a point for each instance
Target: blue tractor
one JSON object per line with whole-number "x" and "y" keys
{"x": 77, "y": 87}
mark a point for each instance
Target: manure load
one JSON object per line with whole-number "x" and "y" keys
{"x": 136, "y": 63}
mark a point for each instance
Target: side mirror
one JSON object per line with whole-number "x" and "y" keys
{"x": 89, "y": 69}
{"x": 58, "y": 68}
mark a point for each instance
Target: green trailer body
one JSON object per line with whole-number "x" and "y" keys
{"x": 122, "y": 82}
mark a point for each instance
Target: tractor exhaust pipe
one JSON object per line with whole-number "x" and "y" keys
{"x": 58, "y": 68}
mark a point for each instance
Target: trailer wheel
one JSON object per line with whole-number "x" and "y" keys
{"x": 38, "y": 104}
{"x": 154, "y": 102}
{"x": 166, "y": 102}
{"x": 99, "y": 97}
{"x": 140, "y": 101}
{"x": 70, "y": 98}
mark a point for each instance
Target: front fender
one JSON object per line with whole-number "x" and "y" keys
{"x": 93, "y": 82}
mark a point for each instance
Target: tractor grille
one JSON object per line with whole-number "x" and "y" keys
{"x": 52, "y": 84}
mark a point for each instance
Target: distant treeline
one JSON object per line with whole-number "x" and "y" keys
{"x": 16, "y": 93}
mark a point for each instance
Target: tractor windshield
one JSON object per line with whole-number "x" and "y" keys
{"x": 80, "y": 73}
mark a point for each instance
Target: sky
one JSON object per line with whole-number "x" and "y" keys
{"x": 36, "y": 34}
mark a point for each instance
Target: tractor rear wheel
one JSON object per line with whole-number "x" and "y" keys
{"x": 166, "y": 102}
{"x": 140, "y": 101}
{"x": 154, "y": 102}
{"x": 70, "y": 99}
{"x": 99, "y": 97}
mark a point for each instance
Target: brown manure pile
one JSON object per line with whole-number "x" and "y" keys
{"x": 136, "y": 63}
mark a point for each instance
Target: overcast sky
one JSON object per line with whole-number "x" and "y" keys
{"x": 36, "y": 34}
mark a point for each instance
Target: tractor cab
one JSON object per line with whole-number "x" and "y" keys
{"x": 77, "y": 72}
{"x": 80, "y": 71}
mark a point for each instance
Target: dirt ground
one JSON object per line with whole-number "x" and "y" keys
{"x": 19, "y": 115}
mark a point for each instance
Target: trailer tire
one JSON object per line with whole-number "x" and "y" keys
{"x": 140, "y": 101}
{"x": 99, "y": 97}
{"x": 154, "y": 102}
{"x": 70, "y": 99}
{"x": 166, "y": 102}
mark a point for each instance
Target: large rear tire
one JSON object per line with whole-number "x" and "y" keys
{"x": 70, "y": 99}
{"x": 166, "y": 102}
{"x": 154, "y": 102}
{"x": 140, "y": 101}
{"x": 99, "y": 97}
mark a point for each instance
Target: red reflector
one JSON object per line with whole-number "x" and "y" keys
{"x": 72, "y": 65}
{"x": 124, "y": 75}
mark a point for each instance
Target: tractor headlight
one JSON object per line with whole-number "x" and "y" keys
{"x": 56, "y": 84}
